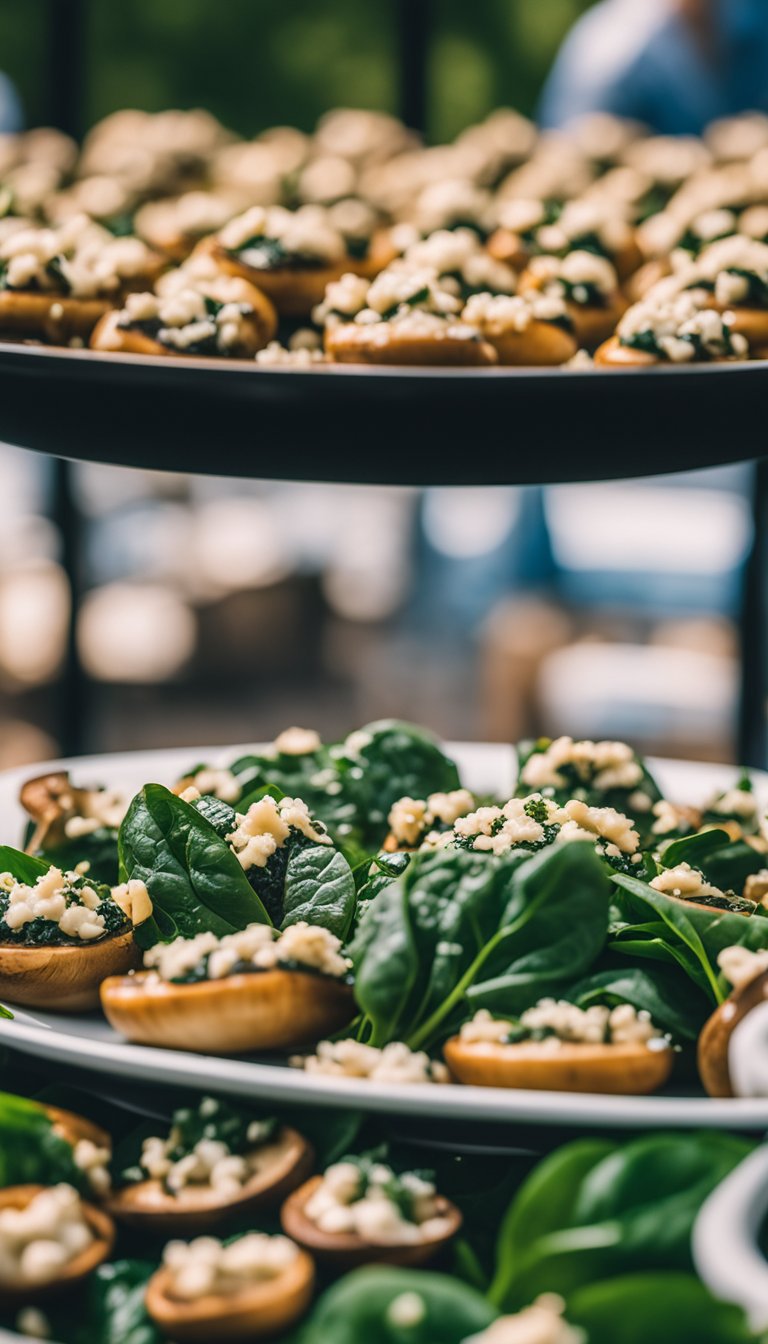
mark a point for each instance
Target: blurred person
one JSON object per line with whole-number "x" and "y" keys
{"x": 674, "y": 65}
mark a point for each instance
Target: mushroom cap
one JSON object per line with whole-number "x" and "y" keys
{"x": 64, "y": 979}
{"x": 264, "y": 1309}
{"x": 715, "y": 1037}
{"x": 284, "y": 1163}
{"x": 347, "y": 1250}
{"x": 625, "y": 1070}
{"x": 262, "y": 1010}
{"x": 102, "y": 1227}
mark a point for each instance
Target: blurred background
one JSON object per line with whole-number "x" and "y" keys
{"x": 214, "y": 611}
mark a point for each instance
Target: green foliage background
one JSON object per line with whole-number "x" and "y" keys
{"x": 261, "y": 62}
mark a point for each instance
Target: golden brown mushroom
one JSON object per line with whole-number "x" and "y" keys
{"x": 620, "y": 1069}
{"x": 265, "y": 1010}
{"x": 265, "y": 1309}
{"x": 715, "y": 1037}
{"x": 64, "y": 979}
{"x": 283, "y": 1164}
{"x": 99, "y": 1249}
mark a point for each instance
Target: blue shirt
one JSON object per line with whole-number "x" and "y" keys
{"x": 639, "y": 59}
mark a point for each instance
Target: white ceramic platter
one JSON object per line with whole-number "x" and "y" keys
{"x": 88, "y": 1043}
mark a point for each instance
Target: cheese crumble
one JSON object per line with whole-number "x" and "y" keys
{"x": 38, "y": 1242}
{"x": 554, "y": 1022}
{"x": 542, "y": 1323}
{"x": 266, "y": 827}
{"x": 258, "y": 948}
{"x": 207, "y": 1267}
{"x": 368, "y": 1199}
{"x": 395, "y": 1063}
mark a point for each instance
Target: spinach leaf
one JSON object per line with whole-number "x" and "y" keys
{"x": 31, "y": 1153}
{"x": 545, "y": 1201}
{"x": 385, "y": 961}
{"x": 725, "y": 863}
{"x": 319, "y": 888}
{"x": 457, "y": 925}
{"x": 24, "y": 867}
{"x": 665, "y": 992}
{"x": 194, "y": 879}
{"x": 664, "y": 1306}
{"x": 358, "y": 1308}
{"x": 690, "y": 935}
{"x": 397, "y": 760}
{"x": 632, "y": 1208}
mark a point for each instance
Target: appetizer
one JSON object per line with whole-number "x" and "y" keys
{"x": 216, "y": 1161}
{"x": 747, "y": 972}
{"x": 533, "y": 227}
{"x": 226, "y": 316}
{"x": 678, "y": 330}
{"x": 60, "y": 936}
{"x": 531, "y": 328}
{"x": 254, "y": 1286}
{"x": 557, "y": 1046}
{"x": 255, "y": 990}
{"x": 49, "y": 1241}
{"x": 603, "y": 774}
{"x": 688, "y": 884}
{"x": 405, "y": 316}
{"x": 589, "y": 286}
{"x": 70, "y": 825}
{"x": 55, "y": 284}
{"x": 290, "y": 255}
{"x": 360, "y": 1211}
{"x": 734, "y": 274}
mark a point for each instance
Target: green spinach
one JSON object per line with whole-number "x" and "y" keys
{"x": 459, "y": 926}
{"x": 596, "y": 1210}
{"x": 663, "y": 1306}
{"x": 359, "y": 1307}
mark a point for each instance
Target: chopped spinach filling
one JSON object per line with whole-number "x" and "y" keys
{"x": 396, "y": 1191}
{"x": 269, "y": 254}
{"x": 47, "y": 933}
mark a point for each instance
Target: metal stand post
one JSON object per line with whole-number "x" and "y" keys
{"x": 753, "y": 725}
{"x": 65, "y": 69}
{"x": 413, "y": 20}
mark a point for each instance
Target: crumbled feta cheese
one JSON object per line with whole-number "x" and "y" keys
{"x": 52, "y": 898}
{"x": 210, "y": 1164}
{"x": 343, "y": 1203}
{"x": 559, "y": 1021}
{"x": 275, "y": 355}
{"x": 677, "y": 324}
{"x": 603, "y": 765}
{"x": 734, "y": 803}
{"x": 38, "y": 1242}
{"x": 587, "y": 823}
{"x": 542, "y": 1323}
{"x": 267, "y": 825}
{"x": 218, "y": 784}
{"x": 575, "y": 276}
{"x": 740, "y": 965}
{"x": 669, "y": 818}
{"x": 497, "y": 315}
{"x": 408, "y": 820}
{"x": 306, "y": 232}
{"x": 395, "y": 1063}
{"x": 406, "y": 1311}
{"x": 207, "y": 1267}
{"x": 684, "y": 881}
{"x": 94, "y": 1162}
{"x": 258, "y": 947}
{"x": 297, "y": 742}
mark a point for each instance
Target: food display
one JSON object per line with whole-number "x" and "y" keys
{"x": 597, "y": 246}
{"x": 354, "y": 910}
{"x": 587, "y": 1244}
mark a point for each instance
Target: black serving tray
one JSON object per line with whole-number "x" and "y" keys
{"x": 409, "y": 426}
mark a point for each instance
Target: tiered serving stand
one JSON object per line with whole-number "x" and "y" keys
{"x": 411, "y": 426}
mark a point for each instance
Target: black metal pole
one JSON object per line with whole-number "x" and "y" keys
{"x": 753, "y": 723}
{"x": 413, "y": 30}
{"x": 64, "y": 68}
